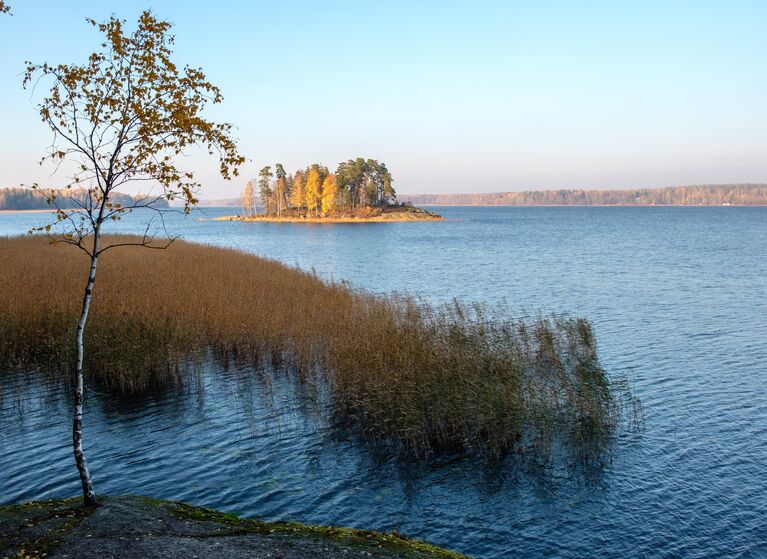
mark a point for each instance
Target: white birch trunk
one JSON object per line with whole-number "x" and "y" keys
{"x": 89, "y": 495}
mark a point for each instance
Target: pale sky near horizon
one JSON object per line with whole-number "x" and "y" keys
{"x": 454, "y": 96}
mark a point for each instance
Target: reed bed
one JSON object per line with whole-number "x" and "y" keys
{"x": 427, "y": 379}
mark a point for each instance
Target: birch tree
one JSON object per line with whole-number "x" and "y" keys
{"x": 127, "y": 115}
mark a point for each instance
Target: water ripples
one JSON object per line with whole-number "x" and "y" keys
{"x": 678, "y": 297}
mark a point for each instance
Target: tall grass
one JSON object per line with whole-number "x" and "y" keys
{"x": 452, "y": 377}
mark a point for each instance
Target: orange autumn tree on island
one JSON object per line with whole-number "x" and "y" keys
{"x": 297, "y": 194}
{"x": 313, "y": 190}
{"x": 357, "y": 187}
{"x": 329, "y": 195}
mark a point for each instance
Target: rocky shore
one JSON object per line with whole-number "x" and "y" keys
{"x": 127, "y": 527}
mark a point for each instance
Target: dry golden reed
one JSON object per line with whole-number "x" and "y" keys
{"x": 398, "y": 371}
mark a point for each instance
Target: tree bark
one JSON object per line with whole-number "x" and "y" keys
{"x": 89, "y": 494}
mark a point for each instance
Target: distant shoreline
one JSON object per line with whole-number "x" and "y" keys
{"x": 38, "y": 211}
{"x": 595, "y": 205}
{"x": 739, "y": 194}
{"x": 406, "y": 218}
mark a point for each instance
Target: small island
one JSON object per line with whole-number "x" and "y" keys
{"x": 359, "y": 191}
{"x": 389, "y": 213}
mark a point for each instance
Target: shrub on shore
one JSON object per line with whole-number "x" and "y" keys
{"x": 453, "y": 377}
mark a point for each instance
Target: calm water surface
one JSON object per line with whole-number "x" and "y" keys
{"x": 678, "y": 297}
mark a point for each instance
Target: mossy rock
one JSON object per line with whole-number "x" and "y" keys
{"x": 152, "y": 528}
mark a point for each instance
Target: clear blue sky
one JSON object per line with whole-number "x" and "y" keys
{"x": 453, "y": 96}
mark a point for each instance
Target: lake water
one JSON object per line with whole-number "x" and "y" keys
{"x": 678, "y": 298}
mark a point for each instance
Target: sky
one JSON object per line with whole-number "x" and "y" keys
{"x": 477, "y": 96}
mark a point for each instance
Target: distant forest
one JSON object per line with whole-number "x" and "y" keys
{"x": 28, "y": 199}
{"x": 696, "y": 195}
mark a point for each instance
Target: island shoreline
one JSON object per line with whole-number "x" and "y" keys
{"x": 404, "y": 217}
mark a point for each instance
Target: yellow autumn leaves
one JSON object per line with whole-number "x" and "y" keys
{"x": 313, "y": 193}
{"x": 329, "y": 194}
{"x": 313, "y": 190}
